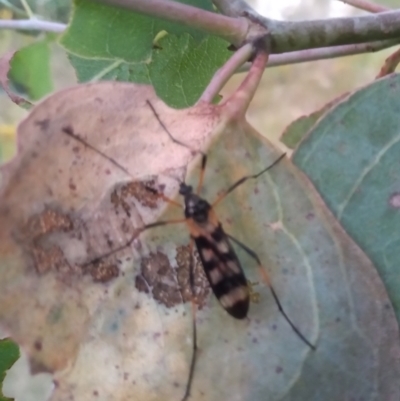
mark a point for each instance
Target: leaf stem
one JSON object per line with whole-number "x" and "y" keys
{"x": 225, "y": 72}
{"x": 27, "y": 9}
{"x": 234, "y": 30}
{"x": 236, "y": 106}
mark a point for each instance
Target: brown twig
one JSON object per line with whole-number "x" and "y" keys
{"x": 234, "y": 30}
{"x": 324, "y": 53}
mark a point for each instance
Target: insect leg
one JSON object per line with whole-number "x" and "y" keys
{"x": 267, "y": 281}
{"x": 245, "y": 178}
{"x": 133, "y": 237}
{"x": 194, "y": 329}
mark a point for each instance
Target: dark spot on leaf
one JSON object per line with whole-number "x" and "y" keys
{"x": 310, "y": 216}
{"x": 201, "y": 285}
{"x": 68, "y": 130}
{"x": 171, "y": 286}
{"x": 49, "y": 220}
{"x": 47, "y": 258}
{"x": 122, "y": 196}
{"x": 102, "y": 271}
{"x": 71, "y": 185}
{"x": 278, "y": 369}
{"x": 43, "y": 124}
{"x": 38, "y": 345}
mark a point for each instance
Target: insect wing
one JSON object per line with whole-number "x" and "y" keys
{"x": 224, "y": 273}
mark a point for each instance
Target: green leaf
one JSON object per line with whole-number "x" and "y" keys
{"x": 182, "y": 69}
{"x": 30, "y": 69}
{"x": 352, "y": 157}
{"x": 9, "y": 353}
{"x": 299, "y": 128}
{"x": 106, "y": 42}
{"x": 105, "y": 69}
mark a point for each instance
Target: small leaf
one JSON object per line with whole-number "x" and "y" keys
{"x": 30, "y": 69}
{"x": 352, "y": 157}
{"x": 4, "y": 81}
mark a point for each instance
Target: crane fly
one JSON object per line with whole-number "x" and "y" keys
{"x": 220, "y": 262}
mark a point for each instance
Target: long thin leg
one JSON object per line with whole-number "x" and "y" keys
{"x": 267, "y": 281}
{"x": 194, "y": 329}
{"x": 185, "y": 145}
{"x": 245, "y": 178}
{"x": 68, "y": 131}
{"x": 133, "y": 237}
{"x": 162, "y": 196}
{"x": 202, "y": 171}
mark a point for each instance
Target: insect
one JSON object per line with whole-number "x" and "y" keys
{"x": 220, "y": 262}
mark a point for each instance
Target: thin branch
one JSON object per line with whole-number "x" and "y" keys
{"x": 225, "y": 72}
{"x": 324, "y": 53}
{"x": 234, "y": 30}
{"x": 33, "y": 24}
{"x": 15, "y": 10}
{"x": 285, "y": 36}
{"x": 27, "y": 9}
{"x": 366, "y": 5}
{"x": 290, "y": 36}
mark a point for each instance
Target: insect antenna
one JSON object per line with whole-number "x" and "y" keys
{"x": 245, "y": 178}
{"x": 185, "y": 145}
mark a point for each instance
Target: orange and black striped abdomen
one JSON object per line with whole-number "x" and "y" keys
{"x": 224, "y": 272}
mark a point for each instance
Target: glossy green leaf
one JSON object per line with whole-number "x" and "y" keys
{"x": 127, "y": 319}
{"x": 30, "y": 70}
{"x": 352, "y": 157}
{"x": 106, "y": 42}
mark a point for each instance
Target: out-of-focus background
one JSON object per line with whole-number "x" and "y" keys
{"x": 286, "y": 92}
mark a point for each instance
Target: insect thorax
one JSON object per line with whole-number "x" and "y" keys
{"x": 196, "y": 208}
